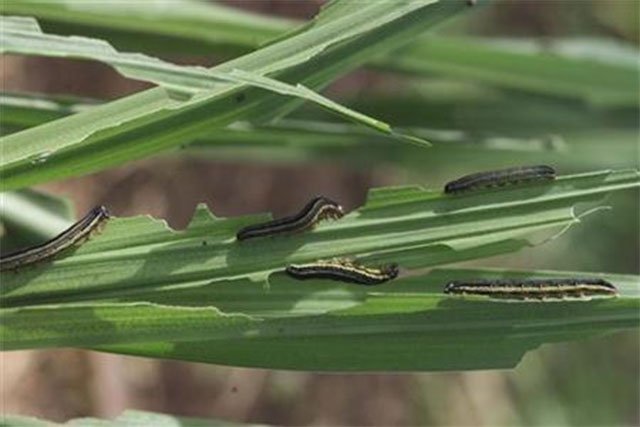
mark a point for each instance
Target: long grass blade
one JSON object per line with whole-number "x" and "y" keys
{"x": 411, "y": 226}
{"x": 360, "y": 328}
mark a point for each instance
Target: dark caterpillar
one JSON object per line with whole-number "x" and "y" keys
{"x": 500, "y": 178}
{"x": 75, "y": 235}
{"x": 316, "y": 210}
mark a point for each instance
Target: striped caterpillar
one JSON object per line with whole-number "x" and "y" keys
{"x": 344, "y": 270}
{"x": 73, "y": 236}
{"x": 537, "y": 289}
{"x": 316, "y": 210}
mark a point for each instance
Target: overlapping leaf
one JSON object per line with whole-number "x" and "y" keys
{"x": 316, "y": 140}
{"x": 606, "y": 76}
{"x": 148, "y": 122}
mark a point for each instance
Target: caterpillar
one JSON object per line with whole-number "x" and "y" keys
{"x": 343, "y": 270}
{"x": 540, "y": 289}
{"x": 316, "y": 210}
{"x": 75, "y": 235}
{"x": 500, "y": 178}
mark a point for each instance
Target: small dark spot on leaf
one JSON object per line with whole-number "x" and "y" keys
{"x": 471, "y": 2}
{"x": 204, "y": 243}
{"x": 240, "y": 97}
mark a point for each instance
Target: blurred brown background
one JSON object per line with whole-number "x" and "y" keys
{"x": 555, "y": 385}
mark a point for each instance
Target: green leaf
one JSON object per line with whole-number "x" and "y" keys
{"x": 407, "y": 333}
{"x": 151, "y": 121}
{"x": 93, "y": 324}
{"x": 410, "y": 226}
{"x": 604, "y": 76}
{"x": 193, "y": 295}
{"x": 480, "y": 109}
{"x": 188, "y": 26}
{"x": 289, "y": 139}
{"x": 295, "y": 140}
{"x": 23, "y": 36}
{"x": 452, "y": 150}
{"x": 547, "y": 72}
{"x": 380, "y": 330}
